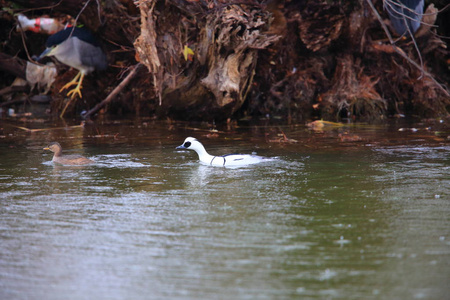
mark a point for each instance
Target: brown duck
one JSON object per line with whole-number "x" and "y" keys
{"x": 59, "y": 158}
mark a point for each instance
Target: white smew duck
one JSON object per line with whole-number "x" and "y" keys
{"x": 222, "y": 161}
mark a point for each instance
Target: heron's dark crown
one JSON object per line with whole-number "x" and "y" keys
{"x": 81, "y": 33}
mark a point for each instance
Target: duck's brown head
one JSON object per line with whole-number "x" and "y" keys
{"x": 55, "y": 147}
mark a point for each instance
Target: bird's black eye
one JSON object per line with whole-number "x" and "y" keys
{"x": 187, "y": 144}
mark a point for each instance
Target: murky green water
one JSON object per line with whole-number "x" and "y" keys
{"x": 348, "y": 213}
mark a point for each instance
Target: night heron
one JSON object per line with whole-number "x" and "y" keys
{"x": 77, "y": 48}
{"x": 405, "y": 15}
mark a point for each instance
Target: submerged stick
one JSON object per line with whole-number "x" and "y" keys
{"x": 114, "y": 93}
{"x": 47, "y": 129}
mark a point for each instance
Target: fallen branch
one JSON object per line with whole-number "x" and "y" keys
{"x": 14, "y": 65}
{"x": 13, "y": 89}
{"x": 114, "y": 93}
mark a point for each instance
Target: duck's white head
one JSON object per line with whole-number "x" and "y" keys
{"x": 192, "y": 144}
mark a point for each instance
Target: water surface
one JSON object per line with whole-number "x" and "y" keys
{"x": 360, "y": 212}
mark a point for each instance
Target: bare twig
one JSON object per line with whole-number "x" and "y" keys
{"x": 76, "y": 19}
{"x": 403, "y": 54}
{"x": 43, "y": 7}
{"x": 22, "y": 35}
{"x": 114, "y": 93}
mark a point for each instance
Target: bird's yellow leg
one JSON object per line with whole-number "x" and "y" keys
{"x": 64, "y": 110}
{"x": 77, "y": 90}
{"x": 72, "y": 93}
{"x": 72, "y": 82}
